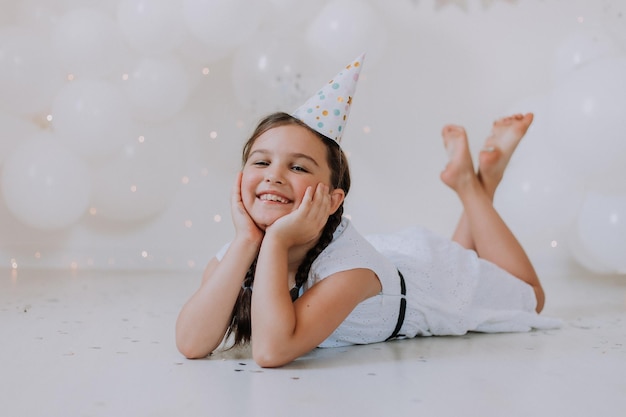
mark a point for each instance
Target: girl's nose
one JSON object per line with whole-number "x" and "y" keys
{"x": 273, "y": 177}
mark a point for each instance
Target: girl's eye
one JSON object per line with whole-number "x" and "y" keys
{"x": 299, "y": 168}
{"x": 261, "y": 163}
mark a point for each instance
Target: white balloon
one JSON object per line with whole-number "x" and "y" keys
{"x": 140, "y": 180}
{"x": 92, "y": 117}
{"x": 536, "y": 196}
{"x": 106, "y": 7}
{"x": 601, "y": 228}
{"x": 88, "y": 43}
{"x": 44, "y": 184}
{"x": 577, "y": 251}
{"x": 198, "y": 54}
{"x": 587, "y": 115}
{"x": 581, "y": 48}
{"x": 202, "y": 61}
{"x": 272, "y": 74}
{"x": 293, "y": 14}
{"x": 152, "y": 26}
{"x": 158, "y": 88}
{"x": 13, "y": 130}
{"x": 609, "y": 180}
{"x": 344, "y": 29}
{"x": 226, "y": 22}
{"x": 29, "y": 72}
{"x": 38, "y": 15}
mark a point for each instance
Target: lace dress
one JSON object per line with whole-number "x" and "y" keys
{"x": 449, "y": 290}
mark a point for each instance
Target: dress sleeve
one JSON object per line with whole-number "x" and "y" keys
{"x": 350, "y": 250}
{"x": 220, "y": 254}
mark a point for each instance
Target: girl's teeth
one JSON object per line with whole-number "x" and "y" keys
{"x": 270, "y": 197}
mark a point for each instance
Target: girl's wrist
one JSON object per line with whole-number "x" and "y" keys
{"x": 249, "y": 241}
{"x": 276, "y": 240}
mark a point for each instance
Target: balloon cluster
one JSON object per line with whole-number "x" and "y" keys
{"x": 94, "y": 97}
{"x": 87, "y": 88}
{"x": 577, "y": 145}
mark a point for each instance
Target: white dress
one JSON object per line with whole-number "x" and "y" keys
{"x": 449, "y": 290}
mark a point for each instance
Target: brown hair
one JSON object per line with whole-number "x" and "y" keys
{"x": 240, "y": 326}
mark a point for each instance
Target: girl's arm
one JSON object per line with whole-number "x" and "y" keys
{"x": 204, "y": 319}
{"x": 283, "y": 330}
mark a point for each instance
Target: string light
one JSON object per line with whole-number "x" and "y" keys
{"x": 213, "y": 135}
{"x": 205, "y": 71}
{"x": 366, "y": 129}
{"x": 124, "y": 77}
{"x": 93, "y": 211}
{"x": 185, "y": 180}
{"x": 74, "y": 265}
{"x": 580, "y": 19}
{"x": 49, "y": 117}
{"x": 554, "y": 243}
{"x": 133, "y": 188}
{"x": 70, "y": 77}
{"x": 13, "y": 263}
{"x": 191, "y": 263}
{"x": 141, "y": 139}
{"x": 144, "y": 254}
{"x": 217, "y": 218}
{"x": 188, "y": 224}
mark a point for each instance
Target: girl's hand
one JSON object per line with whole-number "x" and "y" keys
{"x": 305, "y": 223}
{"x": 244, "y": 225}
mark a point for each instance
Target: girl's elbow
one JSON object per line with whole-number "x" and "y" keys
{"x": 192, "y": 350}
{"x": 269, "y": 358}
{"x": 269, "y": 361}
{"x": 189, "y": 352}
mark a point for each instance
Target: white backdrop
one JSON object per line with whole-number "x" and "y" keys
{"x": 121, "y": 123}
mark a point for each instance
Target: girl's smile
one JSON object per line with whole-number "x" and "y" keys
{"x": 273, "y": 197}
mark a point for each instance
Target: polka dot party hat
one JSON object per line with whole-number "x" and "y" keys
{"x": 327, "y": 111}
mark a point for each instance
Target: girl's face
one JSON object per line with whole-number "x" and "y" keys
{"x": 282, "y": 163}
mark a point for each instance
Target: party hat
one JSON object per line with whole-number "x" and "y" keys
{"x": 327, "y": 111}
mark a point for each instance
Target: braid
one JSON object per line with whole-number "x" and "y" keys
{"x": 240, "y": 321}
{"x": 327, "y": 236}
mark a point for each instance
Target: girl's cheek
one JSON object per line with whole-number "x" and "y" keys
{"x": 247, "y": 194}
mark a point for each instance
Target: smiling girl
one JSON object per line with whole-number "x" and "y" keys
{"x": 298, "y": 275}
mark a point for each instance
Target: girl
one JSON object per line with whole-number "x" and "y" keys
{"x": 297, "y": 275}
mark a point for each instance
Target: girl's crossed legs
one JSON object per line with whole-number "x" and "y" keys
{"x": 481, "y": 228}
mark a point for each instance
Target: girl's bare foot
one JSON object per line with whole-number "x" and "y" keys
{"x": 460, "y": 169}
{"x": 499, "y": 146}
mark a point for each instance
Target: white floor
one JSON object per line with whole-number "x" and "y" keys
{"x": 101, "y": 344}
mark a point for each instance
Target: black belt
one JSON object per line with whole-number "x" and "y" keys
{"x": 402, "y": 309}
